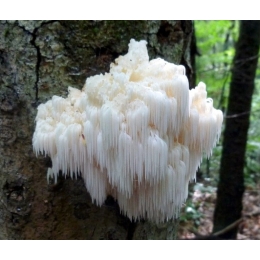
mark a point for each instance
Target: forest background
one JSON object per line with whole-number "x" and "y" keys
{"x": 214, "y": 60}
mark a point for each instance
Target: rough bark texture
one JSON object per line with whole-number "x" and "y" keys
{"x": 231, "y": 183}
{"x": 39, "y": 59}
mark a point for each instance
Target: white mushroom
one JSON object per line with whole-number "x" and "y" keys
{"x": 137, "y": 133}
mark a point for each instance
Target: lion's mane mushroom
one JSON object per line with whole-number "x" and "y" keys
{"x": 137, "y": 133}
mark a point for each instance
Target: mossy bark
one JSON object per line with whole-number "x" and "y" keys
{"x": 39, "y": 59}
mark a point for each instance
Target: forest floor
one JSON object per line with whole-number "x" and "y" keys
{"x": 197, "y": 216}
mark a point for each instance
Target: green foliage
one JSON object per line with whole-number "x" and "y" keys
{"x": 191, "y": 213}
{"x": 216, "y": 44}
{"x": 194, "y": 205}
{"x": 215, "y": 41}
{"x": 210, "y": 167}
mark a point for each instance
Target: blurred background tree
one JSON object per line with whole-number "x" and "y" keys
{"x": 231, "y": 182}
{"x": 216, "y": 64}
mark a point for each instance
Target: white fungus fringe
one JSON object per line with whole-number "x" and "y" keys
{"x": 137, "y": 133}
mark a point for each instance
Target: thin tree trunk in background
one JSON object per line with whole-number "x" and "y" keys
{"x": 193, "y": 53}
{"x": 231, "y": 184}
{"x": 39, "y": 59}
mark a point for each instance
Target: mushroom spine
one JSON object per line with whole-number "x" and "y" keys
{"x": 137, "y": 133}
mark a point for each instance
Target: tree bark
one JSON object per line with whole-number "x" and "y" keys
{"x": 231, "y": 183}
{"x": 39, "y": 59}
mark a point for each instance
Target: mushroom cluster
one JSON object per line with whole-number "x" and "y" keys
{"x": 137, "y": 133}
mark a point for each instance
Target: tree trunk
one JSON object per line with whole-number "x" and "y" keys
{"x": 39, "y": 59}
{"x": 231, "y": 183}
